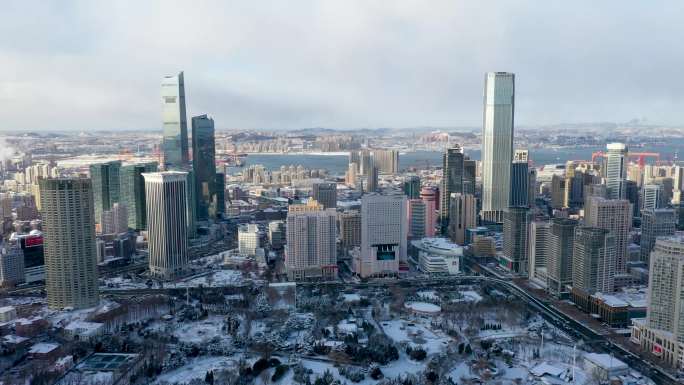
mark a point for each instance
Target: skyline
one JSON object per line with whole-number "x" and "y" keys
{"x": 333, "y": 65}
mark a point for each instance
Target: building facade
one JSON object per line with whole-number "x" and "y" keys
{"x": 311, "y": 252}
{"x": 655, "y": 223}
{"x": 452, "y": 182}
{"x": 516, "y": 231}
{"x": 614, "y": 215}
{"x": 175, "y": 123}
{"x": 325, "y": 193}
{"x": 204, "y": 165}
{"x": 462, "y": 216}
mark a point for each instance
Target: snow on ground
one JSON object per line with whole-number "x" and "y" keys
{"x": 200, "y": 331}
{"x": 423, "y": 307}
{"x": 469, "y": 296}
{"x": 416, "y": 335}
{"x": 429, "y": 295}
{"x": 351, "y": 297}
{"x": 198, "y": 368}
{"x": 218, "y": 278}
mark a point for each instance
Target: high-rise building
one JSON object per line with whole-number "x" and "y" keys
{"x": 11, "y": 265}
{"x": 593, "y": 264}
{"x": 219, "y": 199}
{"x": 497, "y": 143}
{"x": 106, "y": 186}
{"x": 652, "y": 196}
{"x": 191, "y": 202}
{"x": 412, "y": 187}
{"x": 662, "y": 332}
{"x": 365, "y": 161}
{"x": 516, "y": 237}
{"x": 175, "y": 131}
{"x": 630, "y": 191}
{"x": 249, "y": 239}
{"x": 167, "y": 217}
{"x": 538, "y": 250}
{"x": 429, "y": 196}
{"x": 416, "y": 218}
{"x": 615, "y": 169}
{"x": 655, "y": 223}
{"x": 557, "y": 191}
{"x": 532, "y": 189}
{"x": 383, "y": 235}
{"x": 276, "y": 234}
{"x": 70, "y": 256}
{"x": 387, "y": 161}
{"x": 132, "y": 186}
{"x": 372, "y": 180}
{"x": 520, "y": 180}
{"x": 462, "y": 216}
{"x": 614, "y": 215}
{"x": 350, "y": 229}
{"x": 310, "y": 252}
{"x": 355, "y": 159}
{"x": 204, "y": 164}
{"x": 325, "y": 194}
{"x": 452, "y": 182}
{"x": 115, "y": 220}
{"x": 352, "y": 171}
{"x": 560, "y": 255}
{"x": 469, "y": 176}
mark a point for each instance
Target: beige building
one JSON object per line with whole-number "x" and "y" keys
{"x": 462, "y": 216}
{"x": 614, "y": 215}
{"x": 69, "y": 236}
{"x": 311, "y": 249}
{"x": 662, "y": 332}
{"x": 350, "y": 229}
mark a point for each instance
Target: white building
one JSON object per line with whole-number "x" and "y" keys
{"x": 384, "y": 231}
{"x": 115, "y": 220}
{"x": 249, "y": 239}
{"x": 604, "y": 366}
{"x": 311, "y": 249}
{"x": 165, "y": 193}
{"x": 616, "y": 169}
{"x": 11, "y": 266}
{"x": 497, "y": 143}
{"x": 438, "y": 255}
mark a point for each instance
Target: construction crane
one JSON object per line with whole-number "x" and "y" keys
{"x": 640, "y": 156}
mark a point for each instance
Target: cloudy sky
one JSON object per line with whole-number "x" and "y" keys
{"x": 339, "y": 64}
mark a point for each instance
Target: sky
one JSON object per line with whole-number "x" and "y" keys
{"x": 94, "y": 65}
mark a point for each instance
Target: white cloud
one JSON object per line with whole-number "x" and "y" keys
{"x": 352, "y": 63}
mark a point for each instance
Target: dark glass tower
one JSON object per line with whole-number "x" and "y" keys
{"x": 452, "y": 182}
{"x": 132, "y": 187}
{"x": 412, "y": 187}
{"x": 106, "y": 191}
{"x": 203, "y": 164}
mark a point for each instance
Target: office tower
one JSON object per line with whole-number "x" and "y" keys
{"x": 218, "y": 206}
{"x": 655, "y": 223}
{"x": 652, "y": 196}
{"x": 497, "y": 143}
{"x": 662, "y": 332}
{"x": 249, "y": 239}
{"x": 452, "y": 182}
{"x": 383, "y": 235}
{"x": 462, "y": 216}
{"x": 355, "y": 160}
{"x": 167, "y": 227}
{"x": 175, "y": 141}
{"x": 560, "y": 254}
{"x": 593, "y": 264}
{"x": 276, "y": 234}
{"x": 416, "y": 218}
{"x": 11, "y": 265}
{"x": 115, "y": 220}
{"x": 538, "y": 249}
{"x": 70, "y": 258}
{"x": 412, "y": 187}
{"x": 615, "y": 169}
{"x": 204, "y": 164}
{"x": 310, "y": 252}
{"x": 557, "y": 191}
{"x": 351, "y": 176}
{"x": 532, "y": 189}
{"x": 350, "y": 229}
{"x": 614, "y": 215}
{"x": 519, "y": 190}
{"x": 132, "y": 186}
{"x": 516, "y": 229}
{"x": 372, "y": 180}
{"x": 191, "y": 202}
{"x": 325, "y": 194}
{"x": 429, "y": 196}
{"x": 106, "y": 186}
{"x": 469, "y": 176}
{"x": 387, "y": 161}
{"x": 365, "y": 161}
{"x": 630, "y": 190}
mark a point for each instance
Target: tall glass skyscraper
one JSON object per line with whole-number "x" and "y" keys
{"x": 203, "y": 164}
{"x": 497, "y": 143}
{"x": 175, "y": 142}
{"x": 132, "y": 187}
{"x": 452, "y": 182}
{"x": 106, "y": 191}
{"x": 616, "y": 169}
